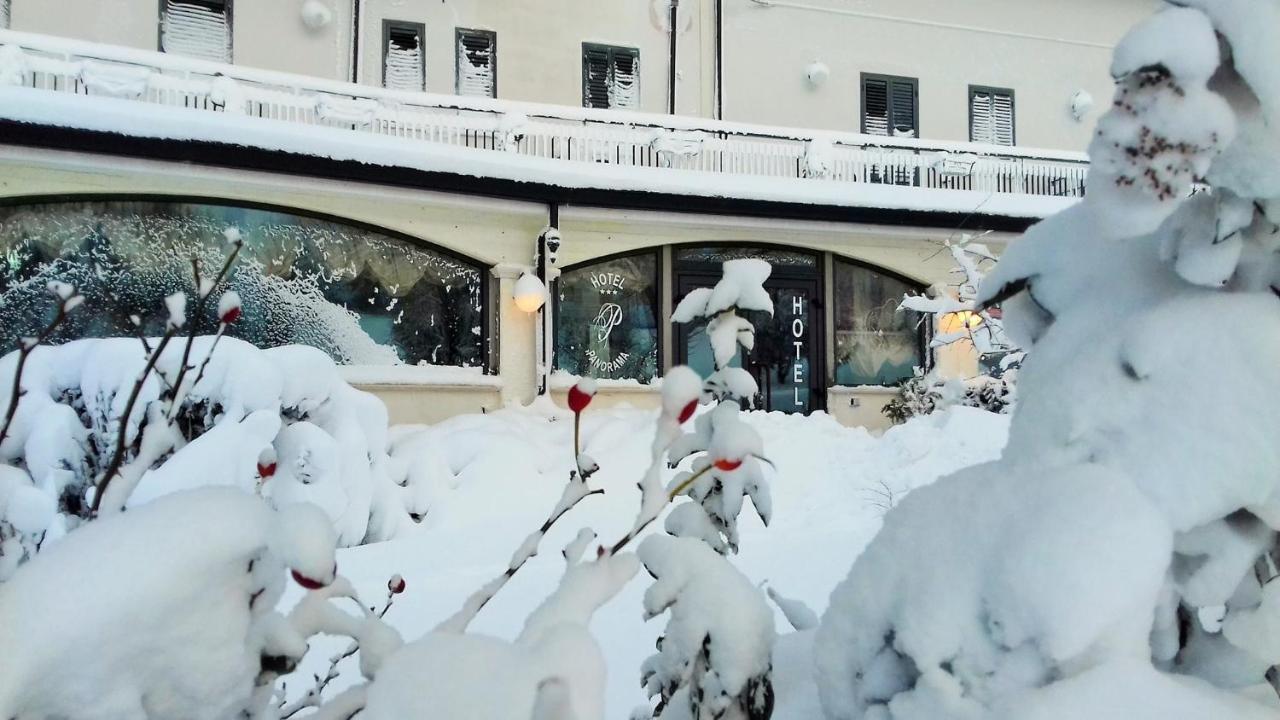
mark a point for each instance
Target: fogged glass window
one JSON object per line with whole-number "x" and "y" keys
{"x": 607, "y": 325}
{"x": 361, "y": 296}
{"x": 876, "y": 344}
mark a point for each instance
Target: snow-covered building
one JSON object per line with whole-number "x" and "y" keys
{"x": 396, "y": 168}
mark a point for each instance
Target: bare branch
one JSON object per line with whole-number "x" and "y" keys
{"x": 28, "y": 345}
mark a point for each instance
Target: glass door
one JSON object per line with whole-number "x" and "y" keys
{"x": 784, "y": 361}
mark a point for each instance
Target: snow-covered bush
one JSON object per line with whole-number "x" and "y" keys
{"x": 714, "y": 659}
{"x": 280, "y": 417}
{"x": 957, "y": 317}
{"x": 925, "y": 393}
{"x": 1126, "y": 536}
{"x": 168, "y": 611}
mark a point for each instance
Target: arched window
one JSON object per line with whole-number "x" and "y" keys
{"x": 607, "y": 322}
{"x": 362, "y": 295}
{"x": 875, "y": 342}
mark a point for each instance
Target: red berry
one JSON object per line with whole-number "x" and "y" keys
{"x": 727, "y": 465}
{"x": 305, "y": 581}
{"x": 230, "y": 316}
{"x": 266, "y": 470}
{"x": 395, "y": 585}
{"x": 310, "y": 583}
{"x": 580, "y": 397}
{"x": 688, "y": 411}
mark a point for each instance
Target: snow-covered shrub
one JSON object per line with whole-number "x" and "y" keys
{"x": 326, "y": 441}
{"x": 956, "y": 314}
{"x": 713, "y": 660}
{"x": 1127, "y": 536}
{"x": 168, "y": 611}
{"x": 925, "y": 393}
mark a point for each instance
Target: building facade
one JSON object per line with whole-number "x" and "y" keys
{"x": 388, "y": 221}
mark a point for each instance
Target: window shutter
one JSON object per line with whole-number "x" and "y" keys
{"x": 1003, "y": 118}
{"x": 197, "y": 28}
{"x": 875, "y": 106}
{"x": 595, "y": 77}
{"x": 403, "y": 65}
{"x": 624, "y": 86}
{"x": 477, "y": 66}
{"x": 980, "y": 129}
{"x": 903, "y": 108}
{"x": 4, "y": 14}
{"x": 991, "y": 116}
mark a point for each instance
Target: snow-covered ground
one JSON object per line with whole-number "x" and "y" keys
{"x": 493, "y": 478}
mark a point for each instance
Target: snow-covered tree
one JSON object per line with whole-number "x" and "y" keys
{"x": 956, "y": 316}
{"x": 1117, "y": 561}
{"x": 714, "y": 659}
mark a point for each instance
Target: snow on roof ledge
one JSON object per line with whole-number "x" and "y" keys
{"x": 133, "y": 119}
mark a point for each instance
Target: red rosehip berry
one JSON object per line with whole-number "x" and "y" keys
{"x": 266, "y": 470}
{"x": 395, "y": 585}
{"x": 687, "y": 412}
{"x": 230, "y": 316}
{"x": 727, "y": 465}
{"x": 306, "y": 582}
{"x": 580, "y": 395}
{"x": 311, "y": 583}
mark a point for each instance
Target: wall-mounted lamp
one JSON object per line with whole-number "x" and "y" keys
{"x": 817, "y": 73}
{"x": 529, "y": 293}
{"x": 959, "y": 321}
{"x": 1081, "y": 104}
{"x": 316, "y": 15}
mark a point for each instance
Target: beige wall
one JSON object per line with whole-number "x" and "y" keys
{"x": 265, "y": 33}
{"x": 1045, "y": 51}
{"x": 499, "y": 234}
{"x": 540, "y": 45}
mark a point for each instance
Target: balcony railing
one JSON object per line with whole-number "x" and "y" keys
{"x": 573, "y": 135}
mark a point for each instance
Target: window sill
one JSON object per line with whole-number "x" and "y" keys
{"x": 419, "y": 375}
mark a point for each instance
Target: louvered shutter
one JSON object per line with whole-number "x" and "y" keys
{"x": 4, "y": 14}
{"x": 902, "y": 108}
{"x": 875, "y": 106}
{"x": 991, "y": 116}
{"x": 477, "y": 64}
{"x": 980, "y": 111}
{"x": 1002, "y": 116}
{"x": 624, "y": 85}
{"x": 197, "y": 28}
{"x": 403, "y": 65}
{"x": 595, "y": 76}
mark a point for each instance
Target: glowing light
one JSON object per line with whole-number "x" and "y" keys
{"x": 529, "y": 293}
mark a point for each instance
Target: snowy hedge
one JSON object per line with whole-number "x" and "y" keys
{"x": 1119, "y": 561}
{"x": 280, "y": 421}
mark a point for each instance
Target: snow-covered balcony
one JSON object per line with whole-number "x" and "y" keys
{"x": 87, "y": 85}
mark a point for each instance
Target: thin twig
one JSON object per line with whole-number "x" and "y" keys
{"x": 312, "y": 698}
{"x": 202, "y": 299}
{"x": 117, "y": 458}
{"x": 25, "y": 347}
{"x": 459, "y": 621}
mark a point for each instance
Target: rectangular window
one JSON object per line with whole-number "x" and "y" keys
{"x": 196, "y": 28}
{"x": 404, "y": 63}
{"x": 889, "y": 106}
{"x": 610, "y": 76}
{"x": 991, "y": 115}
{"x": 477, "y": 56}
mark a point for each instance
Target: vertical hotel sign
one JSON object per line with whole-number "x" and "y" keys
{"x": 798, "y": 380}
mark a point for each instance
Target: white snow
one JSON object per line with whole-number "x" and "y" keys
{"x": 494, "y": 476}
{"x": 121, "y": 116}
